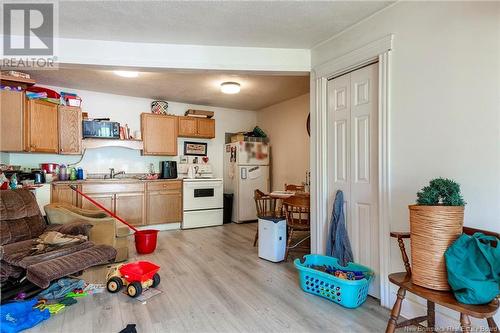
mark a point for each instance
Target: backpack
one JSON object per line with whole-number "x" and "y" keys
{"x": 473, "y": 267}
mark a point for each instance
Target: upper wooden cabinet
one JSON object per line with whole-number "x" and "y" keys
{"x": 193, "y": 127}
{"x": 41, "y": 130}
{"x": 187, "y": 126}
{"x": 70, "y": 130}
{"x": 159, "y": 134}
{"x": 206, "y": 128}
{"x": 11, "y": 120}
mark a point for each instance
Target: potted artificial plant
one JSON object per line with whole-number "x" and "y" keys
{"x": 435, "y": 223}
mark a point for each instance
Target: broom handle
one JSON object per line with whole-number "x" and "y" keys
{"x": 103, "y": 208}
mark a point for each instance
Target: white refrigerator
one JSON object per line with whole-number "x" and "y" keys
{"x": 246, "y": 169}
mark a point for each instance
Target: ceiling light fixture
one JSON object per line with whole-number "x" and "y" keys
{"x": 230, "y": 87}
{"x": 127, "y": 73}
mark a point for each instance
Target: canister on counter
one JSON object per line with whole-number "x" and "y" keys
{"x": 79, "y": 173}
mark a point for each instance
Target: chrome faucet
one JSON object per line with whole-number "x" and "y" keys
{"x": 113, "y": 174}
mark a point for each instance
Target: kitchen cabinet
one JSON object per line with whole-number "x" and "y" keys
{"x": 193, "y": 127}
{"x": 41, "y": 127}
{"x": 187, "y": 126}
{"x": 105, "y": 199}
{"x": 125, "y": 199}
{"x": 70, "y": 130}
{"x": 130, "y": 207}
{"x": 159, "y": 134}
{"x": 11, "y": 120}
{"x": 206, "y": 128}
{"x": 164, "y": 202}
{"x": 62, "y": 193}
{"x": 137, "y": 202}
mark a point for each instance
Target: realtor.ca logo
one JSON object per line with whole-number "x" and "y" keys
{"x": 29, "y": 31}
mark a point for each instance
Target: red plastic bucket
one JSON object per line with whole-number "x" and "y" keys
{"x": 145, "y": 241}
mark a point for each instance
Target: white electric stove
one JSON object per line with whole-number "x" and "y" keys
{"x": 202, "y": 197}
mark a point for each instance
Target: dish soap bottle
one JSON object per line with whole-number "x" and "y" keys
{"x": 72, "y": 174}
{"x": 13, "y": 182}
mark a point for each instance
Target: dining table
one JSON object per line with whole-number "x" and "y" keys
{"x": 279, "y": 196}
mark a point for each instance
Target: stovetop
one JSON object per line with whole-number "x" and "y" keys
{"x": 201, "y": 179}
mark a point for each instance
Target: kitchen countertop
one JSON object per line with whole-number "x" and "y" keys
{"x": 111, "y": 181}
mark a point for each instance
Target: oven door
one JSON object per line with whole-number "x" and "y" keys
{"x": 202, "y": 195}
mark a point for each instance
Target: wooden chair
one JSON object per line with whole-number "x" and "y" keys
{"x": 443, "y": 298}
{"x": 266, "y": 206}
{"x": 297, "y": 215}
{"x": 294, "y": 188}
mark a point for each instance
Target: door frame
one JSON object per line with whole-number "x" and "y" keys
{"x": 378, "y": 50}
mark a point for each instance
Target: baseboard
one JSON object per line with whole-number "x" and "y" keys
{"x": 161, "y": 227}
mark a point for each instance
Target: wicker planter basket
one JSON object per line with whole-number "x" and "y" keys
{"x": 433, "y": 229}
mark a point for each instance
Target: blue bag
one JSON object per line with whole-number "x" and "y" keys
{"x": 20, "y": 315}
{"x": 473, "y": 267}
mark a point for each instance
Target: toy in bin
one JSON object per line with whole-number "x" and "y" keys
{"x": 137, "y": 276}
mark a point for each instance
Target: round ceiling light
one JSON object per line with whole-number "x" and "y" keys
{"x": 127, "y": 73}
{"x": 230, "y": 87}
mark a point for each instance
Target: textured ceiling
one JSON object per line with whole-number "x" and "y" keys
{"x": 194, "y": 87}
{"x": 287, "y": 24}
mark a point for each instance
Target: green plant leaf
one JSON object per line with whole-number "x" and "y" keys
{"x": 441, "y": 191}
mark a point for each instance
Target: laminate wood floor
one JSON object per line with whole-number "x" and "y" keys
{"x": 213, "y": 281}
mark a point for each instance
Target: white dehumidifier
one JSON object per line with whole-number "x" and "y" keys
{"x": 272, "y": 239}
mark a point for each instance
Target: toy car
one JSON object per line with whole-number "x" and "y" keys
{"x": 137, "y": 276}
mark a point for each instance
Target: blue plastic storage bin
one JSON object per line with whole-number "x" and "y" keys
{"x": 348, "y": 293}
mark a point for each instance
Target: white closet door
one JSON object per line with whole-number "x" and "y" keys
{"x": 353, "y": 156}
{"x": 364, "y": 169}
{"x": 340, "y": 110}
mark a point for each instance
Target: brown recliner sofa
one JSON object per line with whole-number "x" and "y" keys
{"x": 21, "y": 224}
{"x": 105, "y": 229}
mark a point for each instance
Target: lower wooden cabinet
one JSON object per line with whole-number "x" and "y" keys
{"x": 164, "y": 202}
{"x": 62, "y": 193}
{"x": 164, "y": 207}
{"x": 138, "y": 203}
{"x": 130, "y": 207}
{"x": 105, "y": 199}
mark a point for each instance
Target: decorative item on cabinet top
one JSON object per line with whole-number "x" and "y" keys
{"x": 159, "y": 107}
{"x": 199, "y": 113}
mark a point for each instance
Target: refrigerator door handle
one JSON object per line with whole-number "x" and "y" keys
{"x": 243, "y": 173}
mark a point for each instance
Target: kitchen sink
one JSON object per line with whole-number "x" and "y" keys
{"x": 114, "y": 179}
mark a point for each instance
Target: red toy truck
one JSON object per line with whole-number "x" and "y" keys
{"x": 137, "y": 276}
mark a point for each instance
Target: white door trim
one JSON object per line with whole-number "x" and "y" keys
{"x": 376, "y": 50}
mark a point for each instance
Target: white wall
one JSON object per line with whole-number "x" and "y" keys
{"x": 127, "y": 110}
{"x": 158, "y": 55}
{"x": 114, "y": 53}
{"x": 285, "y": 124}
{"x": 445, "y": 105}
{"x": 4, "y": 158}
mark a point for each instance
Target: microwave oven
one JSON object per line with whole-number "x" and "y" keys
{"x": 101, "y": 129}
